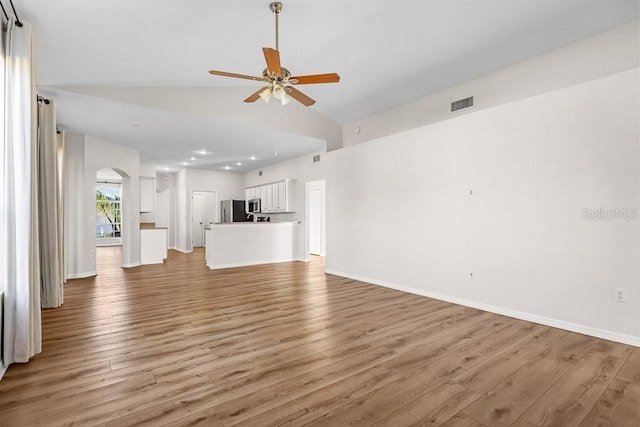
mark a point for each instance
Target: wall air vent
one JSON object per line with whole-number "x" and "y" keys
{"x": 463, "y": 103}
{"x": 316, "y": 158}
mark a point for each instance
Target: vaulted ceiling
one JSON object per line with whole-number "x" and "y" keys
{"x": 135, "y": 72}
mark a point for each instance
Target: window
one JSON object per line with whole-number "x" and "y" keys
{"x": 108, "y": 210}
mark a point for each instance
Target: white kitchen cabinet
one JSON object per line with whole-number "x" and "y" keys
{"x": 262, "y": 193}
{"x": 281, "y": 189}
{"x": 268, "y": 200}
{"x": 276, "y": 197}
{"x": 147, "y": 193}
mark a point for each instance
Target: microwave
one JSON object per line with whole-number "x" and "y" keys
{"x": 254, "y": 206}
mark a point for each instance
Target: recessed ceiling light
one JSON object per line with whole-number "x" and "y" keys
{"x": 252, "y": 158}
{"x": 203, "y": 152}
{"x": 227, "y": 167}
{"x": 184, "y": 163}
{"x": 239, "y": 164}
{"x": 192, "y": 158}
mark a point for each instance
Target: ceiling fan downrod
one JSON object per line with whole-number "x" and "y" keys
{"x": 276, "y": 7}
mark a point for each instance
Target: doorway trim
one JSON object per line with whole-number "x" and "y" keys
{"x": 125, "y": 228}
{"x": 309, "y": 186}
{"x": 215, "y": 214}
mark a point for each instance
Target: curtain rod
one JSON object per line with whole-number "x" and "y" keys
{"x": 41, "y": 98}
{"x": 4, "y": 11}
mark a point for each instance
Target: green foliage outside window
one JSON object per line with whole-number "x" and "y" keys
{"x": 108, "y": 207}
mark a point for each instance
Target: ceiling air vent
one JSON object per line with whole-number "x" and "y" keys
{"x": 463, "y": 103}
{"x": 316, "y": 158}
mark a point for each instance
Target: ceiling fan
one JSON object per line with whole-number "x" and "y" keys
{"x": 279, "y": 79}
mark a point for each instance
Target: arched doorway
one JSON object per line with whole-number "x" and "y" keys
{"x": 111, "y": 231}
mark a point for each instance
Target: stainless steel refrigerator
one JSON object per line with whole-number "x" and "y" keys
{"x": 233, "y": 211}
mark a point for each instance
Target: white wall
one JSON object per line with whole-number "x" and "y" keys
{"x": 400, "y": 212}
{"x": 149, "y": 171}
{"x": 165, "y": 210}
{"x": 228, "y": 185}
{"x": 86, "y": 155}
{"x": 75, "y": 245}
{"x": 596, "y": 57}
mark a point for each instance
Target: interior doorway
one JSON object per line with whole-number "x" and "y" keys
{"x": 316, "y": 217}
{"x": 204, "y": 211}
{"x": 111, "y": 191}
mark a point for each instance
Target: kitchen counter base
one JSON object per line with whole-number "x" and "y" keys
{"x": 245, "y": 244}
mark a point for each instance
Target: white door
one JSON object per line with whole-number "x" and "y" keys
{"x": 315, "y": 221}
{"x": 197, "y": 220}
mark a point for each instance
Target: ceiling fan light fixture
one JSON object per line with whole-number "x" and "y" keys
{"x": 266, "y": 94}
{"x": 278, "y": 91}
{"x": 285, "y": 100}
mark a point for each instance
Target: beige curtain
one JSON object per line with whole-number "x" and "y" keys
{"x": 62, "y": 176}
{"x": 50, "y": 208}
{"x": 19, "y": 234}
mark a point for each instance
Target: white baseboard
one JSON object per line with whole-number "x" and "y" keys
{"x": 247, "y": 264}
{"x": 547, "y": 321}
{"x": 81, "y": 275}
{"x": 182, "y": 250}
{"x": 131, "y": 265}
{"x": 3, "y": 369}
{"x": 108, "y": 242}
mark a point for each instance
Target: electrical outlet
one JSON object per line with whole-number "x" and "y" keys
{"x": 620, "y": 294}
{"x": 93, "y": 253}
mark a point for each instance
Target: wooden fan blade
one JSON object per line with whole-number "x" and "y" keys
{"x": 299, "y": 96}
{"x": 238, "y": 76}
{"x": 272, "y": 57}
{"x": 256, "y": 95}
{"x": 315, "y": 78}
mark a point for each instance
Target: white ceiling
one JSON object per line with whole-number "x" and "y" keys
{"x": 386, "y": 53}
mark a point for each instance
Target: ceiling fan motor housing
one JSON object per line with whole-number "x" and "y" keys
{"x": 286, "y": 74}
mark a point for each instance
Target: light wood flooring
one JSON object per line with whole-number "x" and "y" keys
{"x": 285, "y": 344}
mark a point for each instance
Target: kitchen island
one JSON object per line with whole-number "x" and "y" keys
{"x": 250, "y": 243}
{"x": 153, "y": 244}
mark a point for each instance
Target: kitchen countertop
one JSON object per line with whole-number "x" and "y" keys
{"x": 249, "y": 224}
{"x": 150, "y": 226}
